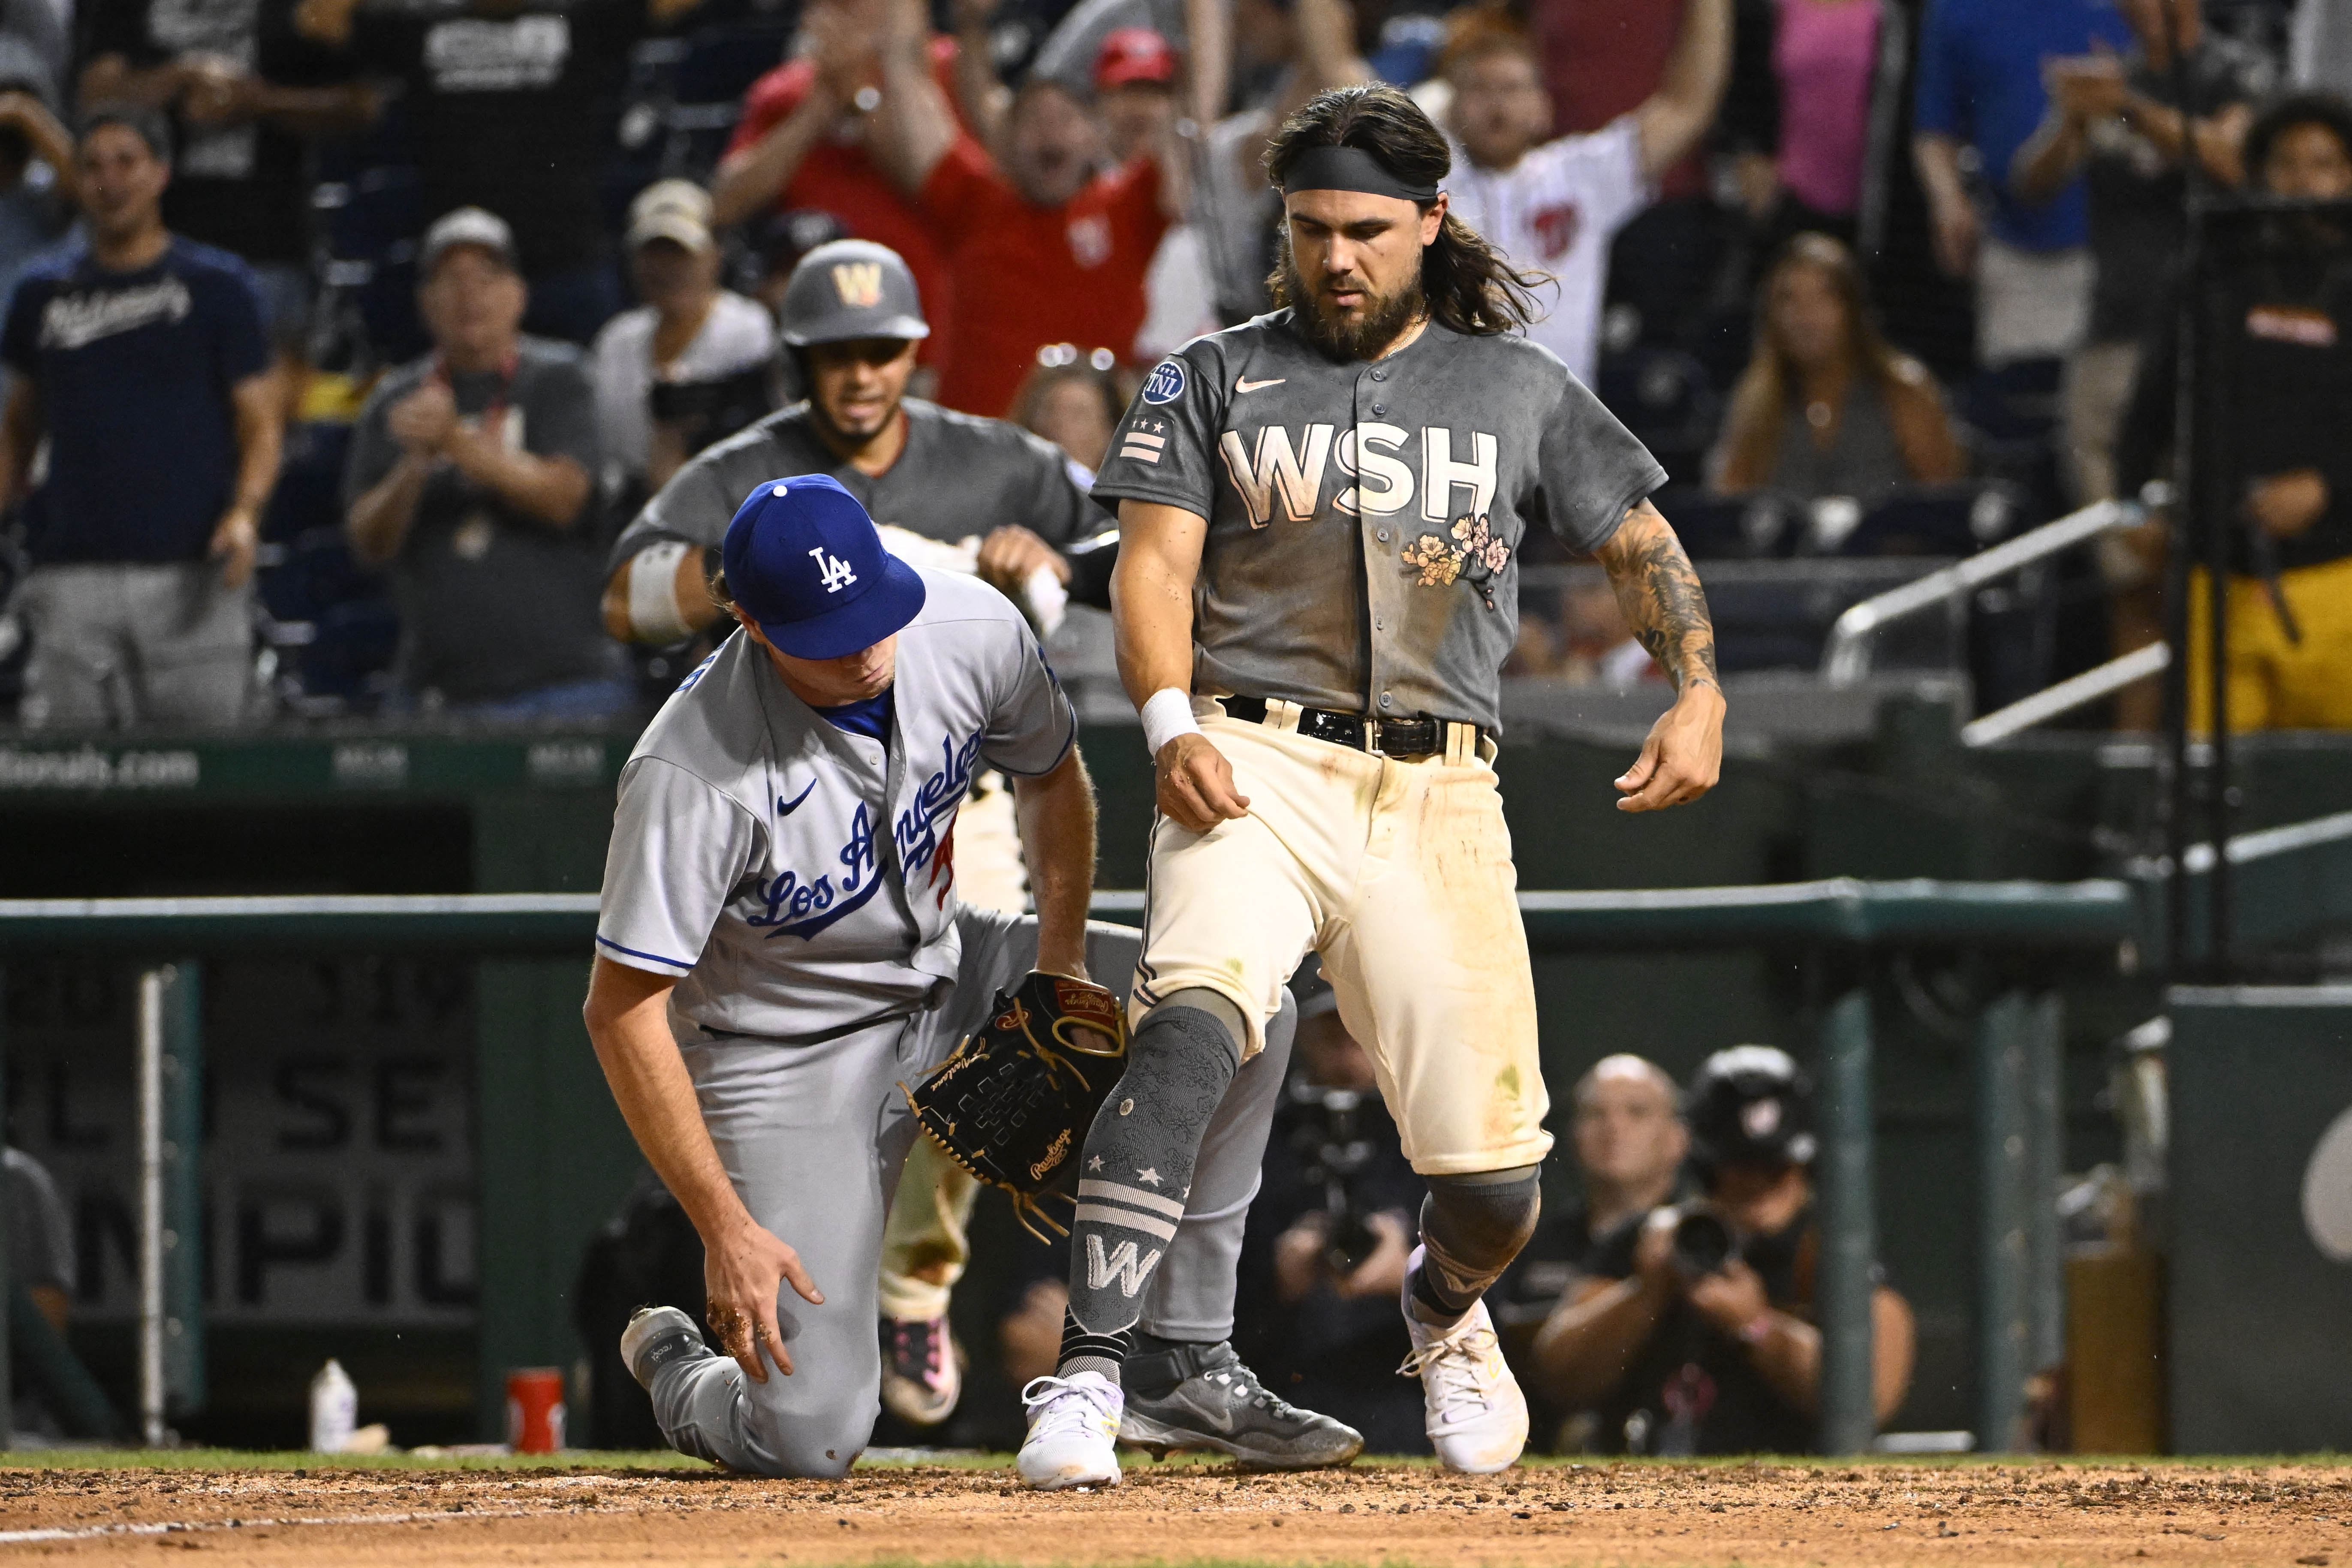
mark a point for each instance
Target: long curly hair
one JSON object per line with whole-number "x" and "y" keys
{"x": 1469, "y": 285}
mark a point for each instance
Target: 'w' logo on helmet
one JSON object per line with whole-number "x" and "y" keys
{"x": 1121, "y": 1264}
{"x": 859, "y": 283}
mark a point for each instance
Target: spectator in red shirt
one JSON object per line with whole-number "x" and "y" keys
{"x": 1601, "y": 59}
{"x": 1050, "y": 247}
{"x": 801, "y": 146}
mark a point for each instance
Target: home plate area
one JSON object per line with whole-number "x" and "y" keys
{"x": 972, "y": 1511}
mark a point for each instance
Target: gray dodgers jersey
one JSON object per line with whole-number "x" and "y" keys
{"x": 958, "y": 475}
{"x": 796, "y": 880}
{"x": 1365, "y": 517}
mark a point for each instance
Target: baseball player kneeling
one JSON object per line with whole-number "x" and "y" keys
{"x": 1320, "y": 515}
{"x": 780, "y": 948}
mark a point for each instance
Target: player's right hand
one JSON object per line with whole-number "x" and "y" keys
{"x": 740, "y": 1279}
{"x": 1195, "y": 783}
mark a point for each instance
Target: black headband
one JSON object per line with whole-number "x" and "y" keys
{"x": 1349, "y": 169}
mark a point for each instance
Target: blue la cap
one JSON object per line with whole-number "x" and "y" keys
{"x": 804, "y": 561}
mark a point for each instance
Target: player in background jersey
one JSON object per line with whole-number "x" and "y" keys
{"x": 1555, "y": 206}
{"x": 1320, "y": 516}
{"x": 779, "y": 947}
{"x": 949, "y": 492}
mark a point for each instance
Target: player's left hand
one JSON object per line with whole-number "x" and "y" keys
{"x": 1682, "y": 757}
{"x": 1731, "y": 1298}
{"x": 234, "y": 538}
{"x": 1010, "y": 556}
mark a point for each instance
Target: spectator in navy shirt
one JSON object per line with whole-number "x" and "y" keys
{"x": 140, "y": 355}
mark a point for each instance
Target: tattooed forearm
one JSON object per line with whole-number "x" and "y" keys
{"x": 1658, "y": 591}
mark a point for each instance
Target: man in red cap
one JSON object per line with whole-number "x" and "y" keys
{"x": 1135, "y": 90}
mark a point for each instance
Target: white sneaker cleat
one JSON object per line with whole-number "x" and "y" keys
{"x": 1476, "y": 1416}
{"x": 1073, "y": 1432}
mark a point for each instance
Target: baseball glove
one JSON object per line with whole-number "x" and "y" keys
{"x": 1012, "y": 1104}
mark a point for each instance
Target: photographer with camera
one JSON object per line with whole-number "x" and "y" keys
{"x": 1337, "y": 1202}
{"x": 1627, "y": 1131}
{"x": 1697, "y": 1336}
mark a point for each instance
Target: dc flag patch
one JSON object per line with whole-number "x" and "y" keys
{"x": 1166, "y": 382}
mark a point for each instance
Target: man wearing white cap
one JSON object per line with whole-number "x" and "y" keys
{"x": 688, "y": 367}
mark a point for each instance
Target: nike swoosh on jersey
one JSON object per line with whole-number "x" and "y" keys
{"x": 786, "y": 808}
{"x": 1244, "y": 384}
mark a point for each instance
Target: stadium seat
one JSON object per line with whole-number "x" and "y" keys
{"x": 1663, "y": 397}
{"x": 351, "y": 657}
{"x": 1937, "y": 519}
{"x": 370, "y": 212}
{"x": 1731, "y": 528}
{"x": 2011, "y": 412}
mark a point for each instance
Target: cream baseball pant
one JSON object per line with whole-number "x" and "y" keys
{"x": 924, "y": 1246}
{"x": 812, "y": 1137}
{"x": 1400, "y": 874}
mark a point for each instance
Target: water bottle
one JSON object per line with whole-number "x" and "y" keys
{"x": 334, "y": 1409}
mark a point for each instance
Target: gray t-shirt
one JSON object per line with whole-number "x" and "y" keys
{"x": 2136, "y": 198}
{"x": 1365, "y": 518}
{"x": 797, "y": 878}
{"x": 493, "y": 602}
{"x": 960, "y": 475}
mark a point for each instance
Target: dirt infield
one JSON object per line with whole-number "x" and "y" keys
{"x": 284, "y": 1511}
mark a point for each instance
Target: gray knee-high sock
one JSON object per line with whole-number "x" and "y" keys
{"x": 1471, "y": 1228}
{"x": 1137, "y": 1169}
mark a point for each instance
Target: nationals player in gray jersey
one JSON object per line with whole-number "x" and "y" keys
{"x": 851, "y": 315}
{"x": 949, "y": 490}
{"x": 780, "y": 947}
{"x": 1320, "y": 514}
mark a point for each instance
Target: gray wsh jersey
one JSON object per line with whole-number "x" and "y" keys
{"x": 1365, "y": 517}
{"x": 798, "y": 879}
{"x": 960, "y": 475}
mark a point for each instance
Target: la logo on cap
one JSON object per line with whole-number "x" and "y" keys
{"x": 859, "y": 283}
{"x": 832, "y": 570}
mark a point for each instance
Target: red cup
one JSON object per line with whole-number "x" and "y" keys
{"x": 535, "y": 1410}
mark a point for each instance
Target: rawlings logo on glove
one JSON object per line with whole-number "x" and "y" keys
{"x": 1016, "y": 1097}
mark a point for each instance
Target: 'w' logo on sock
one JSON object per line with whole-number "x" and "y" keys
{"x": 1121, "y": 1264}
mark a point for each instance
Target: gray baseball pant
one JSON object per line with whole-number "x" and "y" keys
{"x": 135, "y": 643}
{"x": 812, "y": 1137}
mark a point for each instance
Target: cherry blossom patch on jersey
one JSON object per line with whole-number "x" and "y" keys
{"x": 1473, "y": 555}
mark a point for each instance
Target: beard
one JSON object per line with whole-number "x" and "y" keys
{"x": 1359, "y": 334}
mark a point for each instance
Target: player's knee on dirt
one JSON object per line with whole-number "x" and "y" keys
{"x": 805, "y": 1447}
{"x": 1471, "y": 1228}
{"x": 1137, "y": 1169}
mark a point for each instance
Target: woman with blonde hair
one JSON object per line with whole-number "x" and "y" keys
{"x": 1826, "y": 407}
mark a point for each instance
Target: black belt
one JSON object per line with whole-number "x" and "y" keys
{"x": 1420, "y": 737}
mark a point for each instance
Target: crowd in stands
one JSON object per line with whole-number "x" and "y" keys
{"x": 342, "y": 337}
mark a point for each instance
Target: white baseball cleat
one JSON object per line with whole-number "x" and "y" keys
{"x": 1073, "y": 1432}
{"x": 1476, "y": 1416}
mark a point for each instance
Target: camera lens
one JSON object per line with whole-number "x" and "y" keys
{"x": 1702, "y": 1244}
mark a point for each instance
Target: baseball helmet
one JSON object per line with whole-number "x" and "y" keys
{"x": 851, "y": 289}
{"x": 1749, "y": 1105}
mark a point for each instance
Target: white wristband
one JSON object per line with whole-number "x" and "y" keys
{"x": 654, "y": 613}
{"x": 1167, "y": 714}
